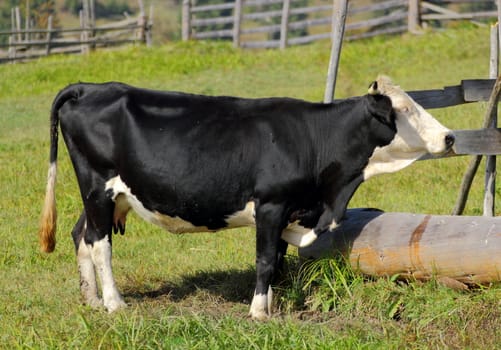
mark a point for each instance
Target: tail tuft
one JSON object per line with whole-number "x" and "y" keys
{"x": 47, "y": 232}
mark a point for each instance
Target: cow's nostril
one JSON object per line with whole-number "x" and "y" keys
{"x": 449, "y": 140}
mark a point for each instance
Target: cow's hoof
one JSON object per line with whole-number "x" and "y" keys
{"x": 261, "y": 316}
{"x": 95, "y": 303}
{"x": 115, "y": 305}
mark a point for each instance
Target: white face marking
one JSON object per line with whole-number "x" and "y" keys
{"x": 261, "y": 305}
{"x": 100, "y": 252}
{"x": 418, "y": 133}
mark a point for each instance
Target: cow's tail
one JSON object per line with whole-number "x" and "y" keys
{"x": 47, "y": 231}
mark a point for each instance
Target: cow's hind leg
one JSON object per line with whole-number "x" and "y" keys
{"x": 96, "y": 238}
{"x": 88, "y": 283}
{"x": 100, "y": 252}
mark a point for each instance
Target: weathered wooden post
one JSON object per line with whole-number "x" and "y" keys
{"x": 237, "y": 22}
{"x": 340, "y": 10}
{"x": 284, "y": 24}
{"x": 48, "y": 36}
{"x": 414, "y": 16}
{"x": 17, "y": 24}
{"x": 416, "y": 246}
{"x": 144, "y": 24}
{"x": 84, "y": 35}
{"x": 490, "y": 167}
{"x": 149, "y": 26}
{"x": 475, "y": 161}
{"x": 186, "y": 20}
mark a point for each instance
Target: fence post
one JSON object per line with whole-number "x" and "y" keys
{"x": 18, "y": 24}
{"x": 12, "y": 48}
{"x": 84, "y": 48}
{"x": 338, "y": 23}
{"x": 490, "y": 167}
{"x": 149, "y": 25}
{"x": 414, "y": 16}
{"x": 186, "y": 20}
{"x": 237, "y": 22}
{"x": 284, "y": 25}
{"x": 49, "y": 35}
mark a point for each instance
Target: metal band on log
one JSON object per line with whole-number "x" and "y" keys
{"x": 462, "y": 248}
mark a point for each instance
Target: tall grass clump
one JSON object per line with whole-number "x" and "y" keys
{"x": 327, "y": 281}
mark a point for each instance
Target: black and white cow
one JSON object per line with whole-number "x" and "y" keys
{"x": 192, "y": 163}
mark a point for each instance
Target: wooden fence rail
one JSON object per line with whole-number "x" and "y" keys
{"x": 31, "y": 43}
{"x": 279, "y": 23}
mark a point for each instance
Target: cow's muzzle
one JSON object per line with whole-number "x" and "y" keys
{"x": 449, "y": 141}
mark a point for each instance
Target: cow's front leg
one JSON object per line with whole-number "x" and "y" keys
{"x": 336, "y": 206}
{"x": 270, "y": 222}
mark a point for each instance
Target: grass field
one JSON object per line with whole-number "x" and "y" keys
{"x": 193, "y": 291}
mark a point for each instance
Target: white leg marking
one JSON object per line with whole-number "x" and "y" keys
{"x": 88, "y": 283}
{"x": 101, "y": 256}
{"x": 298, "y": 236}
{"x": 333, "y": 225}
{"x": 261, "y": 306}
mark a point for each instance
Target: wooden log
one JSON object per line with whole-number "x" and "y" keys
{"x": 416, "y": 246}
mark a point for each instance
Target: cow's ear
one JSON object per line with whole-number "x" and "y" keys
{"x": 373, "y": 89}
{"x": 381, "y": 108}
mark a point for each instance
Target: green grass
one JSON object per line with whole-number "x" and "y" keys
{"x": 193, "y": 291}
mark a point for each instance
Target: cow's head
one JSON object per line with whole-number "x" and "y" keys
{"x": 418, "y": 133}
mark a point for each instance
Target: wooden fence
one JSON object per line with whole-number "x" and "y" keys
{"x": 30, "y": 43}
{"x": 279, "y": 23}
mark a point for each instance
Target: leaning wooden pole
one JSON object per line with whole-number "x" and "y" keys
{"x": 338, "y": 24}
{"x": 490, "y": 161}
{"x": 416, "y": 246}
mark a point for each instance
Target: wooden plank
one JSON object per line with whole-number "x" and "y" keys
{"x": 439, "y": 98}
{"x": 226, "y": 6}
{"x": 200, "y": 22}
{"x": 478, "y": 142}
{"x": 310, "y": 23}
{"x": 472, "y": 90}
{"x": 266, "y": 44}
{"x": 373, "y": 33}
{"x": 469, "y": 15}
{"x": 416, "y": 246}
{"x": 378, "y": 6}
{"x": 223, "y": 33}
{"x": 477, "y": 89}
{"x": 393, "y": 17}
{"x": 308, "y": 38}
